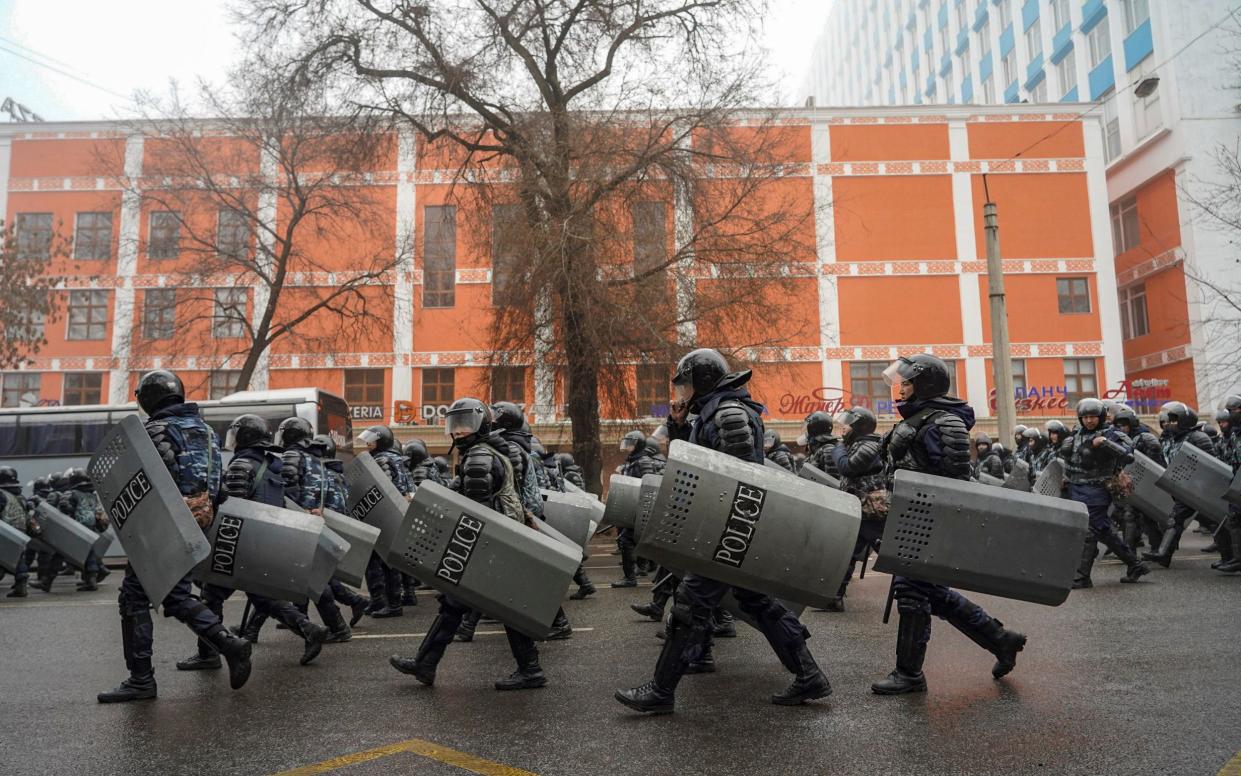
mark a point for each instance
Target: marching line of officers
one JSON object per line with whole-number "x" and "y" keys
{"x": 501, "y": 465}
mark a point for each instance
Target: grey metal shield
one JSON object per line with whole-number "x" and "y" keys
{"x": 571, "y": 515}
{"x": 486, "y": 560}
{"x": 1050, "y": 481}
{"x": 987, "y": 479}
{"x": 361, "y": 538}
{"x": 271, "y": 551}
{"x": 1199, "y": 480}
{"x": 1147, "y": 497}
{"x": 990, "y": 540}
{"x": 374, "y": 500}
{"x": 154, "y": 526}
{"x": 646, "y": 503}
{"x": 69, "y": 537}
{"x": 1234, "y": 491}
{"x": 813, "y": 473}
{"x": 12, "y": 545}
{"x": 1019, "y": 477}
{"x": 621, "y": 509}
{"x": 750, "y": 526}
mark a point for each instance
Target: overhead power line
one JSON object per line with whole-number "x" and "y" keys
{"x": 65, "y": 73}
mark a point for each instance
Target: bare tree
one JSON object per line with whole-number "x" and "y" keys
{"x": 571, "y": 122}
{"x": 268, "y": 216}
{"x": 28, "y": 290}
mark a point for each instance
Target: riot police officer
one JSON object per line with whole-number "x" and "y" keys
{"x": 385, "y": 584}
{"x": 728, "y": 420}
{"x": 13, "y": 510}
{"x": 933, "y": 437}
{"x": 337, "y": 500}
{"x": 654, "y": 451}
{"x": 1093, "y": 455}
{"x": 987, "y": 460}
{"x": 80, "y": 502}
{"x": 190, "y": 451}
{"x": 569, "y": 469}
{"x": 637, "y": 464}
{"x": 255, "y": 473}
{"x": 1039, "y": 452}
{"x": 485, "y": 475}
{"x": 1230, "y": 534}
{"x": 858, "y": 459}
{"x": 1180, "y": 427}
{"x": 818, "y": 439}
{"x": 1134, "y": 522}
{"x": 418, "y": 461}
{"x": 775, "y": 449}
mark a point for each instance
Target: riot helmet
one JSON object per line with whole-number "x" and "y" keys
{"x": 292, "y": 431}
{"x": 771, "y": 440}
{"x": 323, "y": 446}
{"x": 8, "y": 477}
{"x": 817, "y": 424}
{"x": 377, "y": 438}
{"x": 508, "y": 416}
{"x": 248, "y": 431}
{"x": 655, "y": 445}
{"x": 701, "y": 371}
{"x": 1233, "y": 405}
{"x": 416, "y": 452}
{"x": 983, "y": 440}
{"x": 1126, "y": 419}
{"x": 468, "y": 422}
{"x": 927, "y": 374}
{"x": 633, "y": 442}
{"x": 1057, "y": 432}
{"x": 158, "y": 389}
{"x": 1091, "y": 408}
{"x": 860, "y": 420}
{"x": 1181, "y": 415}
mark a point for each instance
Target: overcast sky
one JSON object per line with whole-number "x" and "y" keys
{"x": 93, "y": 54}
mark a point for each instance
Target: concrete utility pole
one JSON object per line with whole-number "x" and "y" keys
{"x": 1001, "y": 352}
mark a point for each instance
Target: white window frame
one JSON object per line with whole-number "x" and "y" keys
{"x": 1066, "y": 72}
{"x": 1099, "y": 41}
{"x": 1136, "y": 13}
{"x": 1034, "y": 39}
{"x": 1060, "y": 14}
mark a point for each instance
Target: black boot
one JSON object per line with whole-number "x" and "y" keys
{"x": 1090, "y": 551}
{"x": 88, "y": 583}
{"x": 388, "y": 611}
{"x": 627, "y": 570}
{"x": 465, "y": 631}
{"x": 1233, "y": 565}
{"x": 140, "y": 685}
{"x": 1135, "y": 569}
{"x": 338, "y": 630}
{"x": 910, "y": 653}
{"x": 561, "y": 629}
{"x": 1167, "y": 546}
{"x": 529, "y": 675}
{"x": 993, "y": 637}
{"x": 45, "y": 582}
{"x": 205, "y": 659}
{"x": 704, "y": 663}
{"x": 379, "y": 601}
{"x": 585, "y": 588}
{"x": 650, "y": 610}
{"x": 658, "y": 695}
{"x": 315, "y": 636}
{"x": 430, "y": 651}
{"x": 408, "y": 586}
{"x": 236, "y": 653}
{"x": 809, "y": 681}
{"x": 725, "y": 625}
{"x": 19, "y": 589}
{"x": 358, "y": 610}
{"x": 250, "y": 629}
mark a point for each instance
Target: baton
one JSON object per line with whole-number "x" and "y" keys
{"x": 887, "y": 607}
{"x": 661, "y": 582}
{"x": 245, "y": 614}
{"x": 865, "y": 560}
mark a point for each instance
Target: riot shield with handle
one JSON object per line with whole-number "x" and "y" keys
{"x": 1019, "y": 477}
{"x": 646, "y": 503}
{"x": 621, "y": 508}
{"x": 813, "y": 473}
{"x": 486, "y": 560}
{"x": 68, "y": 537}
{"x": 376, "y": 501}
{"x": 161, "y": 539}
{"x": 571, "y": 515}
{"x": 12, "y": 546}
{"x": 1199, "y": 480}
{"x": 990, "y": 540}
{"x": 359, "y": 536}
{"x": 750, "y": 526}
{"x": 1050, "y": 481}
{"x": 1147, "y": 497}
{"x": 270, "y": 551}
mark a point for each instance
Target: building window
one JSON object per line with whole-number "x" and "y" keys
{"x": 83, "y": 388}
{"x": 988, "y": 91}
{"x": 1136, "y": 13}
{"x": 1074, "y": 295}
{"x": 1034, "y": 39}
{"x": 34, "y": 236}
{"x": 1039, "y": 92}
{"x": 438, "y": 391}
{"x": 1006, "y": 15}
{"x": 962, "y": 17}
{"x": 92, "y": 237}
{"x": 866, "y": 385}
{"x": 439, "y": 256}
{"x": 1126, "y": 232}
{"x": 650, "y": 249}
{"x": 159, "y": 313}
{"x": 164, "y": 241}
{"x": 508, "y": 383}
{"x": 1133, "y": 318}
{"x": 1059, "y": 13}
{"x": 27, "y": 326}
{"x": 222, "y": 382}
{"x": 1146, "y": 115}
{"x": 654, "y": 387}
{"x": 1019, "y": 375}
{"x": 504, "y": 254}
{"x": 228, "y": 319}
{"x": 364, "y": 387}
{"x": 1111, "y": 125}
{"x": 88, "y": 315}
{"x": 1100, "y": 41}
{"x": 232, "y": 234}
{"x": 1066, "y": 72}
{"x": 1079, "y": 379}
{"x": 945, "y": 45}
{"x": 984, "y": 39}
{"x": 1008, "y": 66}
{"x": 20, "y": 389}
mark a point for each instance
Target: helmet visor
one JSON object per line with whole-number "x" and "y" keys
{"x": 367, "y": 437}
{"x": 892, "y": 375}
{"x": 683, "y": 391}
{"x": 230, "y": 439}
{"x": 458, "y": 424}
{"x": 278, "y": 439}
{"x": 803, "y": 440}
{"x": 628, "y": 445}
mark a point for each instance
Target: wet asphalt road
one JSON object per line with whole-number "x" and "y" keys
{"x": 1122, "y": 679}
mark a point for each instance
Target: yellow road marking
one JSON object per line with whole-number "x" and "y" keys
{"x": 1233, "y": 768}
{"x": 443, "y": 754}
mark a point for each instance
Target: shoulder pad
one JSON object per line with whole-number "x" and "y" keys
{"x": 477, "y": 481}
{"x": 732, "y": 421}
{"x": 239, "y": 477}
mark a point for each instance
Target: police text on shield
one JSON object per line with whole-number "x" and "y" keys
{"x": 224, "y": 553}
{"x": 457, "y": 554}
{"x": 742, "y": 522}
{"x": 128, "y": 499}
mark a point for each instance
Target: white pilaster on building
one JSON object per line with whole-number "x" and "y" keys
{"x": 967, "y": 250}
{"x": 1105, "y": 268}
{"x": 266, "y": 213}
{"x": 126, "y": 267}
{"x": 683, "y": 234}
{"x": 403, "y": 292}
{"x": 825, "y": 239}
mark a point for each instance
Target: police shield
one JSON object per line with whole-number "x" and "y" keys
{"x": 1199, "y": 480}
{"x": 1147, "y": 497}
{"x": 1050, "y": 481}
{"x": 68, "y": 537}
{"x": 12, "y": 545}
{"x": 987, "y": 479}
{"x": 813, "y": 473}
{"x": 486, "y": 560}
{"x": 646, "y": 503}
{"x": 162, "y": 542}
{"x": 751, "y": 527}
{"x": 270, "y": 551}
{"x": 361, "y": 538}
{"x": 375, "y": 500}
{"x": 990, "y": 540}
{"x": 1234, "y": 491}
{"x": 571, "y": 515}
{"x": 1019, "y": 477}
{"x": 621, "y": 509}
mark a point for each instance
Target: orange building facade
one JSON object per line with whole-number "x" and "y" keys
{"x": 896, "y": 196}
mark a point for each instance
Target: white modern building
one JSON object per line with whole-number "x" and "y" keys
{"x": 1161, "y": 73}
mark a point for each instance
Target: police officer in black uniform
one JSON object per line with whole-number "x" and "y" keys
{"x": 637, "y": 464}
{"x": 859, "y": 462}
{"x": 1181, "y": 427}
{"x": 1134, "y": 522}
{"x": 729, "y": 421}
{"x": 775, "y": 449}
{"x": 386, "y": 584}
{"x": 987, "y": 460}
{"x": 819, "y": 440}
{"x": 15, "y": 512}
{"x": 191, "y": 452}
{"x": 933, "y": 437}
{"x": 485, "y": 475}
{"x": 337, "y": 500}
{"x": 1230, "y": 448}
